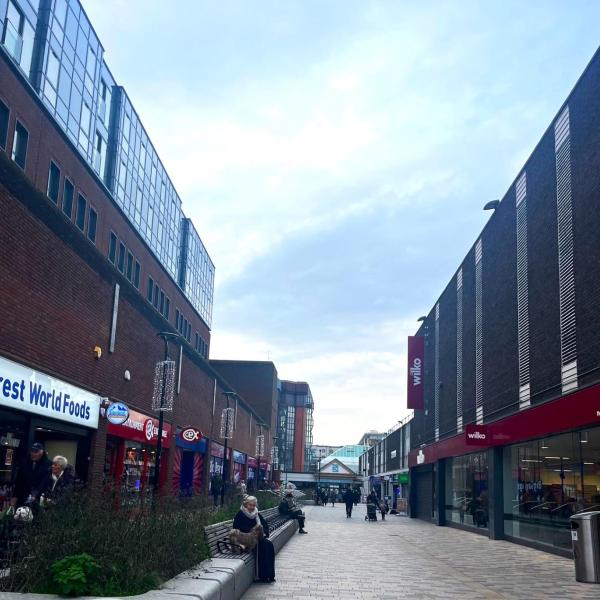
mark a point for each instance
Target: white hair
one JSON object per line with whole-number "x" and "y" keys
{"x": 250, "y": 499}
{"x": 61, "y": 461}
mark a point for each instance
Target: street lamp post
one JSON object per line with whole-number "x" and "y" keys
{"x": 226, "y": 433}
{"x": 260, "y": 450}
{"x": 164, "y": 392}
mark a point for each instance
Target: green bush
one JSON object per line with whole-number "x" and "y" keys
{"x": 75, "y": 575}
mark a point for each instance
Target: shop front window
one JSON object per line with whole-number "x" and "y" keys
{"x": 467, "y": 490}
{"x": 548, "y": 480}
{"x": 139, "y": 464}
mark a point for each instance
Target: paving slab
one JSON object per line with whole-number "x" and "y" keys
{"x": 353, "y": 559}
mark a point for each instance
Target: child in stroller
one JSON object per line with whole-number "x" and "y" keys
{"x": 371, "y": 512}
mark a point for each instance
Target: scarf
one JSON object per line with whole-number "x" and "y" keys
{"x": 251, "y": 514}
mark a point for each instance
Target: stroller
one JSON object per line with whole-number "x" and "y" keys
{"x": 371, "y": 512}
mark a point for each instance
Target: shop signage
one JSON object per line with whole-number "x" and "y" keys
{"x": 252, "y": 462}
{"x": 476, "y": 435}
{"x": 190, "y": 435}
{"x": 219, "y": 451}
{"x": 416, "y": 357}
{"x": 420, "y": 457}
{"x": 117, "y": 413}
{"x": 26, "y": 389}
{"x": 141, "y": 428}
{"x": 239, "y": 457}
{"x": 403, "y": 478}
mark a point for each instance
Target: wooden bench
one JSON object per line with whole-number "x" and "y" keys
{"x": 217, "y": 535}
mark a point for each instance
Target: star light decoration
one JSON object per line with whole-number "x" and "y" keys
{"x": 164, "y": 385}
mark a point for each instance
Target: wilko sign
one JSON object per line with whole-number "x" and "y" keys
{"x": 416, "y": 355}
{"x": 190, "y": 435}
{"x": 476, "y": 435}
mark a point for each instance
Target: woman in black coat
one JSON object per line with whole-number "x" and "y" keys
{"x": 245, "y": 520}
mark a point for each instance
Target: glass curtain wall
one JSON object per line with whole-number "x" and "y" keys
{"x": 548, "y": 480}
{"x": 467, "y": 490}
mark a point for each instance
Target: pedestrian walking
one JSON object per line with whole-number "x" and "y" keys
{"x": 332, "y": 497}
{"x": 324, "y": 497}
{"x": 384, "y": 508}
{"x": 349, "y": 502}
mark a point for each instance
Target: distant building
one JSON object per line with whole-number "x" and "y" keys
{"x": 319, "y": 452}
{"x": 295, "y": 426}
{"x": 371, "y": 438}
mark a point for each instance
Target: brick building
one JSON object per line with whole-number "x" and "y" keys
{"x": 508, "y": 440}
{"x": 97, "y": 258}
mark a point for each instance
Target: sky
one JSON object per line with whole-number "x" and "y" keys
{"x": 335, "y": 156}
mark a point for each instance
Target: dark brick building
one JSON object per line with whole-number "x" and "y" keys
{"x": 508, "y": 442}
{"x": 97, "y": 258}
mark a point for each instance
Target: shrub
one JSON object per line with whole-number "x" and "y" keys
{"x": 75, "y": 575}
{"x": 136, "y": 547}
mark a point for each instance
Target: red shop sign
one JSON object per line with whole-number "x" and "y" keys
{"x": 190, "y": 435}
{"x": 141, "y": 428}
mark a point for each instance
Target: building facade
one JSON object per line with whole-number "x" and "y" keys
{"x": 508, "y": 441}
{"x": 256, "y": 382}
{"x": 294, "y": 427}
{"x": 384, "y": 466}
{"x": 96, "y": 259}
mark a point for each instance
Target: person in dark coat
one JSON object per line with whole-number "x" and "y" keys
{"x": 61, "y": 481}
{"x": 245, "y": 520}
{"x": 332, "y": 497}
{"x": 349, "y": 502}
{"x": 32, "y": 477}
{"x": 289, "y": 508}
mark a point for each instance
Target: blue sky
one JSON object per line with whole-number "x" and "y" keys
{"x": 334, "y": 156}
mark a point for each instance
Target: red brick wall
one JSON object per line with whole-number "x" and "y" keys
{"x": 56, "y": 293}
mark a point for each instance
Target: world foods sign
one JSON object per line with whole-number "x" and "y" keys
{"x": 26, "y": 389}
{"x": 416, "y": 355}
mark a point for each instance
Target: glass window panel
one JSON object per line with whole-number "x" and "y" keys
{"x": 81, "y": 207}
{"x": 27, "y": 51}
{"x": 136, "y": 274}
{"x": 92, "y": 225}
{"x": 112, "y": 248}
{"x": 129, "y": 270}
{"x": 4, "y": 114}
{"x": 71, "y": 29}
{"x": 52, "y": 69}
{"x": 60, "y": 11}
{"x": 150, "y": 292}
{"x": 53, "y": 182}
{"x": 67, "y": 204}
{"x": 121, "y": 258}
{"x": 19, "y": 151}
{"x": 167, "y": 308}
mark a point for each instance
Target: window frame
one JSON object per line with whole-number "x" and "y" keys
{"x": 15, "y": 140}
{"x": 112, "y": 236}
{"x": 66, "y": 181}
{"x": 3, "y": 144}
{"x": 78, "y": 212}
{"x": 92, "y": 209}
{"x": 54, "y": 200}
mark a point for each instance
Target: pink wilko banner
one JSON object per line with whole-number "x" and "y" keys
{"x": 416, "y": 371}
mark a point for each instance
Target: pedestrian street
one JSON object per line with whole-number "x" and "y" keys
{"x": 352, "y": 559}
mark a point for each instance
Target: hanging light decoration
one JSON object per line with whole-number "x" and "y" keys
{"x": 275, "y": 457}
{"x": 164, "y": 385}
{"x": 227, "y": 420}
{"x": 260, "y": 445}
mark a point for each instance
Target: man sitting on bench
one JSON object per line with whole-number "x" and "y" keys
{"x": 289, "y": 508}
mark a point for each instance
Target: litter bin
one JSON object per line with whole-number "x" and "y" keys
{"x": 585, "y": 537}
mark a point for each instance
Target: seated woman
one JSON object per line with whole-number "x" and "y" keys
{"x": 245, "y": 520}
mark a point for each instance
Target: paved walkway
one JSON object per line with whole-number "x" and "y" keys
{"x": 350, "y": 559}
